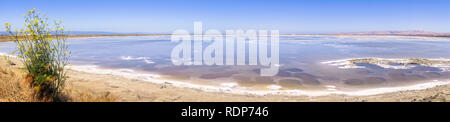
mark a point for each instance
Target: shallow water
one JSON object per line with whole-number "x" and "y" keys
{"x": 301, "y": 58}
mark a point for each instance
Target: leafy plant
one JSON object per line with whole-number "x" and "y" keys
{"x": 44, "y": 52}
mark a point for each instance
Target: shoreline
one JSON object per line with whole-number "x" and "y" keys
{"x": 233, "y": 89}
{"x": 5, "y": 38}
{"x": 136, "y": 90}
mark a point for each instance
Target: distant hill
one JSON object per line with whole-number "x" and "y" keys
{"x": 409, "y": 33}
{"x": 3, "y": 33}
{"x": 92, "y": 33}
{"x": 85, "y": 33}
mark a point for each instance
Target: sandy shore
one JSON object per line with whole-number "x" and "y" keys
{"x": 136, "y": 90}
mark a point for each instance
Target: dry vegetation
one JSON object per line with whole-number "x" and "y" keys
{"x": 13, "y": 88}
{"x": 43, "y": 54}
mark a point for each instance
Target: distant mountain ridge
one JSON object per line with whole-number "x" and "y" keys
{"x": 83, "y": 33}
{"x": 413, "y": 33}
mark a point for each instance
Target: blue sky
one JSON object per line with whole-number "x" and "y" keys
{"x": 288, "y": 16}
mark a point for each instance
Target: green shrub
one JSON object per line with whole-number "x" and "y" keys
{"x": 44, "y": 52}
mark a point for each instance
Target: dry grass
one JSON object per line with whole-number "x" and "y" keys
{"x": 73, "y": 95}
{"x": 13, "y": 88}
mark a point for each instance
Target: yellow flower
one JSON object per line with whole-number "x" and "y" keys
{"x": 7, "y": 25}
{"x": 37, "y": 88}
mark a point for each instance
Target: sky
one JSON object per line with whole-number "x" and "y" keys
{"x": 288, "y": 16}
